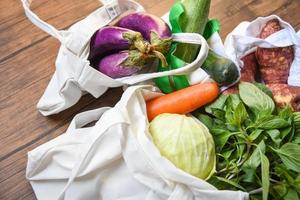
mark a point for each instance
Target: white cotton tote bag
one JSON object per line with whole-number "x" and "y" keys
{"x": 74, "y": 76}
{"x": 244, "y": 40}
{"x": 114, "y": 160}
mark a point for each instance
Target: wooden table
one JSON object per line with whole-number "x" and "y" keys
{"x": 27, "y": 57}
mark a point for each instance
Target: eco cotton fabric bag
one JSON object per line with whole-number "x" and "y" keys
{"x": 74, "y": 76}
{"x": 244, "y": 40}
{"x": 114, "y": 159}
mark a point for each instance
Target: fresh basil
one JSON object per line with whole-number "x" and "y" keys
{"x": 240, "y": 114}
{"x": 265, "y": 167}
{"x": 230, "y": 182}
{"x": 271, "y": 122}
{"x": 264, "y": 88}
{"x": 254, "y": 160}
{"x": 297, "y": 137}
{"x": 219, "y": 104}
{"x": 206, "y": 120}
{"x": 291, "y": 195}
{"x": 255, "y": 99}
{"x": 257, "y": 145}
{"x": 221, "y": 137}
{"x": 254, "y": 134}
{"x": 275, "y": 136}
{"x": 290, "y": 156}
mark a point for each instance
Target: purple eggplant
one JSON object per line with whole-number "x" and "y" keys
{"x": 123, "y": 63}
{"x": 112, "y": 39}
{"x": 123, "y": 51}
{"x": 145, "y": 24}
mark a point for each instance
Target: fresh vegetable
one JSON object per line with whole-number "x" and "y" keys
{"x": 266, "y": 105}
{"x": 186, "y": 142}
{"x": 274, "y": 63}
{"x": 123, "y": 51}
{"x": 274, "y": 66}
{"x": 183, "y": 101}
{"x": 285, "y": 95}
{"x": 249, "y": 69}
{"x": 221, "y": 69}
{"x": 248, "y": 72}
{"x": 146, "y": 24}
{"x": 112, "y": 39}
{"x": 257, "y": 144}
{"x": 193, "y": 20}
{"x": 115, "y": 65}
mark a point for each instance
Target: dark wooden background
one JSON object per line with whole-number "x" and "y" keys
{"x": 27, "y": 57}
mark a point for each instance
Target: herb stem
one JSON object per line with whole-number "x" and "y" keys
{"x": 247, "y": 155}
{"x": 273, "y": 180}
{"x": 259, "y": 190}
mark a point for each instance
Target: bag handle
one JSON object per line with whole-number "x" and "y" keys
{"x": 111, "y": 7}
{"x": 108, "y": 119}
{"x": 51, "y": 30}
{"x": 190, "y": 38}
{"x": 84, "y": 118}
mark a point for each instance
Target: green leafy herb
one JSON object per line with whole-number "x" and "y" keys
{"x": 275, "y": 136}
{"x": 271, "y": 122}
{"x": 230, "y": 182}
{"x": 291, "y": 195}
{"x": 290, "y": 156}
{"x": 254, "y": 160}
{"x": 255, "y": 99}
{"x": 254, "y": 134}
{"x": 257, "y": 144}
{"x": 265, "y": 167}
{"x": 264, "y": 88}
{"x": 219, "y": 104}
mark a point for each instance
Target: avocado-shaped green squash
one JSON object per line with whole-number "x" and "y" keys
{"x": 221, "y": 69}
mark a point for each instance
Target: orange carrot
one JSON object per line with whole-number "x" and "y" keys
{"x": 183, "y": 101}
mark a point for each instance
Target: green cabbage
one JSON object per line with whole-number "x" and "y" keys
{"x": 186, "y": 142}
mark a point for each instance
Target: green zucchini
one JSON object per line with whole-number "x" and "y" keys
{"x": 194, "y": 20}
{"x": 221, "y": 69}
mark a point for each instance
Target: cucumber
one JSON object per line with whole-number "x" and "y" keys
{"x": 221, "y": 69}
{"x": 194, "y": 20}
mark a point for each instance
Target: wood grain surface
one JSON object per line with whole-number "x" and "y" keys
{"x": 27, "y": 57}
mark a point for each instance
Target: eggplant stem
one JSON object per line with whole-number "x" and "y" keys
{"x": 141, "y": 46}
{"x": 161, "y": 57}
{"x": 146, "y": 48}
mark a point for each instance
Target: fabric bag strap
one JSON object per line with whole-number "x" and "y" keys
{"x": 51, "y": 30}
{"x": 85, "y": 118}
{"x": 190, "y": 38}
{"x": 111, "y": 6}
{"x": 108, "y": 119}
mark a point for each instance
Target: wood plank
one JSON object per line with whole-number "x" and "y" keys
{"x": 29, "y": 67}
{"x": 18, "y": 32}
{"x": 161, "y": 8}
{"x": 12, "y": 171}
{"x": 23, "y": 124}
